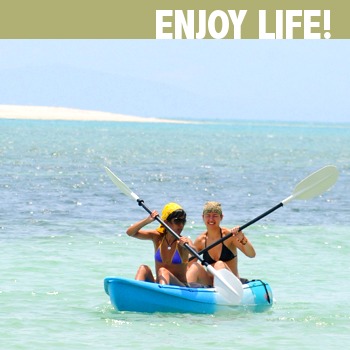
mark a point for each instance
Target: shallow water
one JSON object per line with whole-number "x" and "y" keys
{"x": 63, "y": 222}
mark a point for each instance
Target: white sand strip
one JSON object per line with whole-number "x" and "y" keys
{"x": 61, "y": 113}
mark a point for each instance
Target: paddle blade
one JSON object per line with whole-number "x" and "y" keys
{"x": 227, "y": 285}
{"x": 315, "y": 184}
{"x": 121, "y": 185}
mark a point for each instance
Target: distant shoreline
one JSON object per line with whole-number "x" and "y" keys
{"x": 73, "y": 114}
{"x": 22, "y": 112}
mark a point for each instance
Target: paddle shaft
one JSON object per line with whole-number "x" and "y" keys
{"x": 313, "y": 185}
{"x": 222, "y": 239}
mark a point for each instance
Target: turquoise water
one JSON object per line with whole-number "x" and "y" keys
{"x": 63, "y": 222}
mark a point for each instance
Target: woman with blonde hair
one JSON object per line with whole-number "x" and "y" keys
{"x": 223, "y": 255}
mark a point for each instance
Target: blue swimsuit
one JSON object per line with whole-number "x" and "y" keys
{"x": 176, "y": 259}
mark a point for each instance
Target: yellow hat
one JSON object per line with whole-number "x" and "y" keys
{"x": 167, "y": 210}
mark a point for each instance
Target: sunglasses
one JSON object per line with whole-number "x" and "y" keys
{"x": 178, "y": 221}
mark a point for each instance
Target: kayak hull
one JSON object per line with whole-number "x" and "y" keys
{"x": 139, "y": 296}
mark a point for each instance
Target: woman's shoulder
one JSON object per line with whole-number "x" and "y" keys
{"x": 225, "y": 231}
{"x": 149, "y": 234}
{"x": 201, "y": 237}
{"x": 156, "y": 233}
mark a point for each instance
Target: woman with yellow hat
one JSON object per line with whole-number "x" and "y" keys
{"x": 170, "y": 255}
{"x": 223, "y": 255}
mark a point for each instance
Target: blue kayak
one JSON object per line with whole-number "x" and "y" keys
{"x": 139, "y": 296}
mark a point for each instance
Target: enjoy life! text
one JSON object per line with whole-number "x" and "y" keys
{"x": 220, "y": 24}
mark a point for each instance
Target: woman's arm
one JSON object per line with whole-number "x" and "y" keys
{"x": 241, "y": 241}
{"x": 135, "y": 229}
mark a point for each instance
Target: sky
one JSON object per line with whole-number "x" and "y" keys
{"x": 285, "y": 80}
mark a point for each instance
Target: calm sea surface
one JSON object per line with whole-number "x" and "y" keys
{"x": 63, "y": 222}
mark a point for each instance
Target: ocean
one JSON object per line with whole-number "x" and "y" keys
{"x": 63, "y": 222}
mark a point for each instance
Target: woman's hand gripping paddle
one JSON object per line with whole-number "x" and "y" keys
{"x": 228, "y": 286}
{"x": 312, "y": 186}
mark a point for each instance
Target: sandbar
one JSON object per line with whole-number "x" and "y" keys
{"x": 73, "y": 114}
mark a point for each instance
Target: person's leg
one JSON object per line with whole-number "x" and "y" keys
{"x": 144, "y": 273}
{"x": 166, "y": 277}
{"x": 219, "y": 265}
{"x": 196, "y": 273}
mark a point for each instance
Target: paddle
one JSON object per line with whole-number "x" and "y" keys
{"x": 312, "y": 186}
{"x": 228, "y": 286}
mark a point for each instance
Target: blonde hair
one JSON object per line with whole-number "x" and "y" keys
{"x": 212, "y": 207}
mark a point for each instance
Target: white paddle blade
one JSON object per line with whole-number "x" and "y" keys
{"x": 121, "y": 185}
{"x": 227, "y": 285}
{"x": 315, "y": 184}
